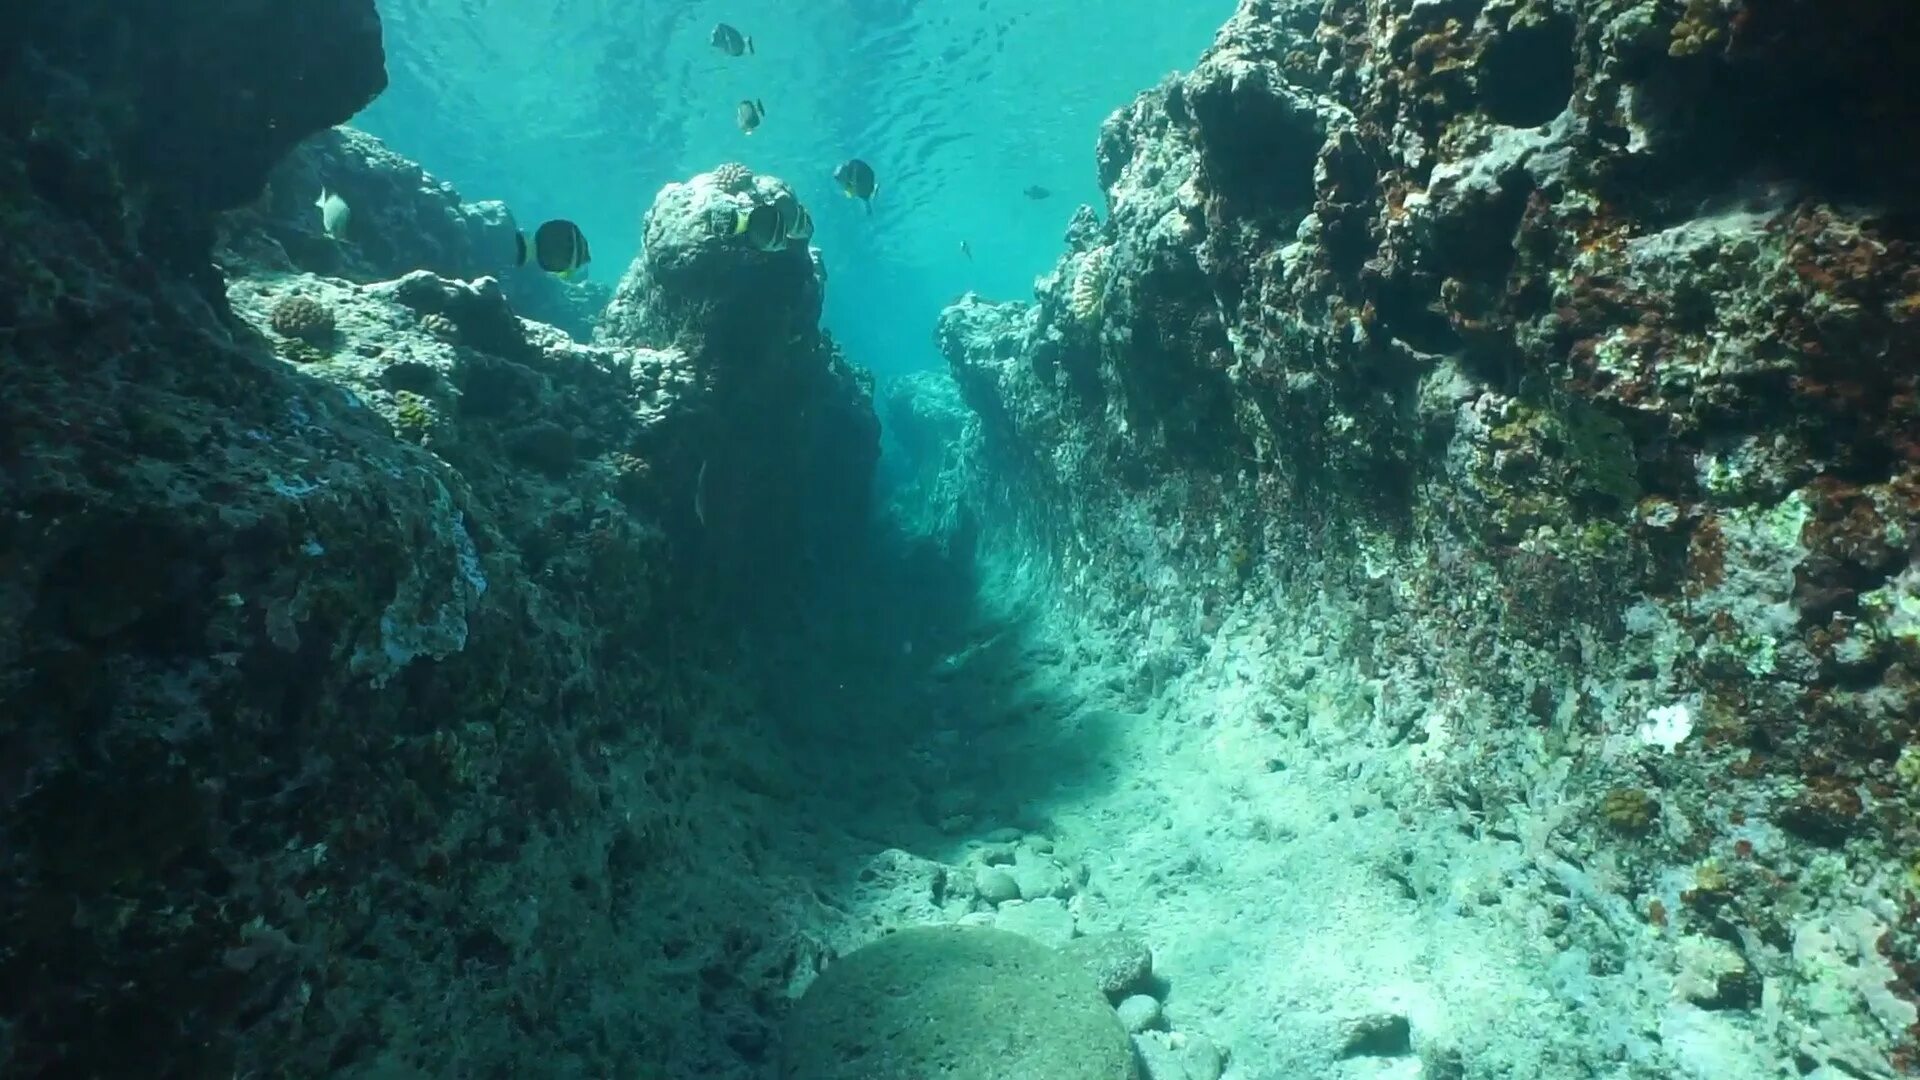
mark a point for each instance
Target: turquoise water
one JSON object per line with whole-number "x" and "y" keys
{"x": 585, "y": 108}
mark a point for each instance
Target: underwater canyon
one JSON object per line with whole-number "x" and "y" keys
{"x": 1427, "y": 584}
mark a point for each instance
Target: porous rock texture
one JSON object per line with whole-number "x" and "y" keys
{"x": 139, "y": 116}
{"x": 698, "y": 279}
{"x": 353, "y": 695}
{"x": 790, "y": 420}
{"x": 402, "y": 219}
{"x": 1496, "y": 419}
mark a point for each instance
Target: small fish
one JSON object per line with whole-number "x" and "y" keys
{"x": 857, "y": 181}
{"x": 748, "y": 115}
{"x": 967, "y": 250}
{"x": 1036, "y": 192}
{"x": 335, "y": 214}
{"x": 730, "y": 41}
{"x": 559, "y": 248}
{"x": 762, "y": 226}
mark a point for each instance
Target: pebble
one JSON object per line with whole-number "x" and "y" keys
{"x": 1139, "y": 1012}
{"x": 1376, "y": 1035}
{"x": 1203, "y": 1059}
{"x": 1046, "y": 920}
{"x": 995, "y": 854}
{"x": 1038, "y": 876}
{"x": 995, "y": 886}
{"x": 1174, "y": 1056}
{"x": 1120, "y": 963}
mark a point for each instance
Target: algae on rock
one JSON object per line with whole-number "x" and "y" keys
{"x": 1504, "y": 401}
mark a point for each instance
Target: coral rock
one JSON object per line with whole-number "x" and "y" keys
{"x": 303, "y": 318}
{"x": 733, "y": 178}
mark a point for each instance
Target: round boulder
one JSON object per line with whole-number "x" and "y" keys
{"x": 955, "y": 1003}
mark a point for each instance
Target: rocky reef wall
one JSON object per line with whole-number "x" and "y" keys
{"x": 355, "y": 633}
{"x": 137, "y": 116}
{"x": 1531, "y": 387}
{"x": 402, "y": 219}
{"x": 785, "y": 409}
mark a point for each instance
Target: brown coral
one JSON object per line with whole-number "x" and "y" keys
{"x": 1700, "y": 29}
{"x": 1628, "y": 809}
{"x": 302, "y": 318}
{"x": 440, "y": 327}
{"x": 633, "y": 476}
{"x": 733, "y": 177}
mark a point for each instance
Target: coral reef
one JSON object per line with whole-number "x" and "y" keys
{"x": 1548, "y": 429}
{"x": 140, "y": 114}
{"x": 789, "y": 432}
{"x": 441, "y": 327}
{"x": 404, "y": 219}
{"x": 1436, "y": 559}
{"x": 696, "y": 281}
{"x": 302, "y": 317}
{"x": 733, "y": 178}
{"x": 356, "y": 716}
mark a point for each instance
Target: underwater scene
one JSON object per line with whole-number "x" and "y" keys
{"x": 960, "y": 539}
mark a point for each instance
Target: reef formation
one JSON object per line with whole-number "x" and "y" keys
{"x": 352, "y": 624}
{"x": 1458, "y": 504}
{"x": 1523, "y": 393}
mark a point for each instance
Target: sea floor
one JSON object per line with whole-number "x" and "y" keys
{"x": 1310, "y": 914}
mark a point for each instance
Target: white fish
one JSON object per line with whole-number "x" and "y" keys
{"x": 334, "y": 213}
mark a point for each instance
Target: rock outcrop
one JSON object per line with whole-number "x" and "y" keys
{"x": 789, "y": 432}
{"x": 968, "y": 1002}
{"x": 403, "y": 219}
{"x": 1465, "y": 413}
{"x": 351, "y": 632}
{"x": 1553, "y": 367}
{"x": 150, "y": 120}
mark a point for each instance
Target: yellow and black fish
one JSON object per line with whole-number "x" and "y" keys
{"x": 857, "y": 180}
{"x": 795, "y": 222}
{"x": 730, "y": 41}
{"x": 762, "y": 226}
{"x": 749, "y": 114}
{"x": 559, "y": 247}
{"x": 801, "y": 226}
